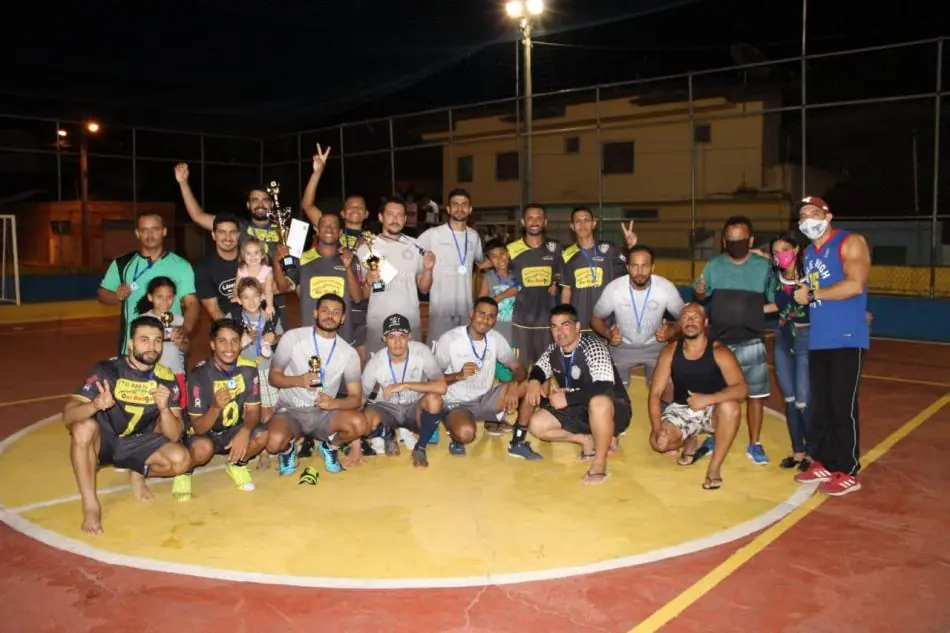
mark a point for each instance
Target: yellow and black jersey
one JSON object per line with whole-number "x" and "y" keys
{"x": 135, "y": 411}
{"x": 537, "y": 269}
{"x": 241, "y": 381}
{"x": 587, "y": 271}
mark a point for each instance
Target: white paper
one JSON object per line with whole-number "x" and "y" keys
{"x": 387, "y": 272}
{"x": 297, "y": 238}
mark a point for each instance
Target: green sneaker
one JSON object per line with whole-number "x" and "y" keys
{"x": 181, "y": 487}
{"x": 241, "y": 477}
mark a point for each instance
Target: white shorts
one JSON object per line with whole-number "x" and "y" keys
{"x": 688, "y": 421}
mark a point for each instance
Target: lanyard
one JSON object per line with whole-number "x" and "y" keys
{"x": 392, "y": 372}
{"x": 462, "y": 257}
{"x": 232, "y": 382}
{"x": 323, "y": 365}
{"x": 138, "y": 274}
{"x": 258, "y": 331}
{"x": 479, "y": 360}
{"x": 637, "y": 314}
{"x": 567, "y": 366}
{"x": 590, "y": 264}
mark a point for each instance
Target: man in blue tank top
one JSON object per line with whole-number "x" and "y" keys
{"x": 837, "y": 264}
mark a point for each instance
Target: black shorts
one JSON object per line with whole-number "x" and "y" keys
{"x": 530, "y": 342}
{"x": 358, "y": 327}
{"x": 130, "y": 452}
{"x": 575, "y": 419}
{"x": 221, "y": 439}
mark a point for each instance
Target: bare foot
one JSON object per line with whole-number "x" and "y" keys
{"x": 354, "y": 457}
{"x": 587, "y": 449}
{"x": 139, "y": 489}
{"x": 92, "y": 520}
{"x": 263, "y": 461}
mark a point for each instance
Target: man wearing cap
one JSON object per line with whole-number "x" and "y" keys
{"x": 837, "y": 265}
{"x": 409, "y": 386}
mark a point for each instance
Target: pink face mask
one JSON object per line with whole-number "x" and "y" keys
{"x": 785, "y": 259}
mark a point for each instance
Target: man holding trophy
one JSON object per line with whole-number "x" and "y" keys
{"x": 397, "y": 269}
{"x": 310, "y": 367}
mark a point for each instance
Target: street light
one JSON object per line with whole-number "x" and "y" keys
{"x": 525, "y": 11}
{"x": 91, "y": 127}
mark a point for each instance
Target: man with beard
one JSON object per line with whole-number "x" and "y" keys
{"x": 259, "y": 204}
{"x": 637, "y": 302}
{"x": 407, "y": 266}
{"x": 224, "y": 405}
{"x": 708, "y": 390}
{"x": 218, "y": 270}
{"x": 537, "y": 263}
{"x": 737, "y": 286}
{"x": 126, "y": 415}
{"x": 586, "y": 404}
{"x": 457, "y": 247}
{"x": 126, "y": 281}
{"x": 310, "y": 366}
{"x": 354, "y": 213}
{"x": 590, "y": 265}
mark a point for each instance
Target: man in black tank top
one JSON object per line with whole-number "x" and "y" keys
{"x": 708, "y": 387}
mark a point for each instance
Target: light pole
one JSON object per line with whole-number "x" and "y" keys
{"x": 525, "y": 11}
{"x": 90, "y": 127}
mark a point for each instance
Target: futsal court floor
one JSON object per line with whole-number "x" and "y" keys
{"x": 483, "y": 543}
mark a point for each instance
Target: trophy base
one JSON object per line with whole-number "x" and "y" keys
{"x": 379, "y": 286}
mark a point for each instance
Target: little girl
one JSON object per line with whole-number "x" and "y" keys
{"x": 252, "y": 263}
{"x": 257, "y": 345}
{"x": 157, "y": 302}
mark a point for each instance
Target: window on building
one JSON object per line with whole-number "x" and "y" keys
{"x": 641, "y": 214}
{"x": 572, "y": 145}
{"x": 466, "y": 169}
{"x": 702, "y": 133}
{"x": 506, "y": 166}
{"x": 617, "y": 157}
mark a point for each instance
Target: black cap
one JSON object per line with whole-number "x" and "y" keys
{"x": 396, "y": 323}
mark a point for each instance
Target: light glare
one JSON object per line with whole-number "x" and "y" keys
{"x": 92, "y": 126}
{"x": 515, "y": 8}
{"x": 535, "y": 7}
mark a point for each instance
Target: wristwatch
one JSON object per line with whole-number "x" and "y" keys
{"x": 811, "y": 296}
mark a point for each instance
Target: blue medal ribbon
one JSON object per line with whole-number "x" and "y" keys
{"x": 567, "y": 364}
{"x": 258, "y": 330}
{"x": 323, "y": 365}
{"x": 479, "y": 360}
{"x": 392, "y": 372}
{"x": 639, "y": 315}
{"x": 590, "y": 264}
{"x": 462, "y": 257}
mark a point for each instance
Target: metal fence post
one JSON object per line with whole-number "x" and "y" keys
{"x": 59, "y": 168}
{"x": 392, "y": 159}
{"x": 260, "y": 163}
{"x": 600, "y": 164}
{"x": 804, "y": 72}
{"x": 299, "y": 163}
{"x": 452, "y": 164}
{"x": 135, "y": 193}
{"x": 692, "y": 178}
{"x": 202, "y": 145}
{"x": 936, "y": 243}
{"x": 342, "y": 166}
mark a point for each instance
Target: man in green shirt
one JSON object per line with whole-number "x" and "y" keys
{"x": 126, "y": 281}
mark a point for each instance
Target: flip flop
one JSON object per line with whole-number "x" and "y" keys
{"x": 686, "y": 459}
{"x": 712, "y": 483}
{"x": 585, "y": 457}
{"x": 594, "y": 479}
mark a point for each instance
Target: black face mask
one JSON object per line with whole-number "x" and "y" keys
{"x": 737, "y": 249}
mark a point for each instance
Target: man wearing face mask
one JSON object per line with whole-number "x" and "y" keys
{"x": 837, "y": 264}
{"x": 736, "y": 285}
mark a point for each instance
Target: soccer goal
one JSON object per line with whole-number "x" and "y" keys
{"x": 10, "y": 264}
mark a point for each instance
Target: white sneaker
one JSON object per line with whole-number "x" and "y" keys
{"x": 378, "y": 444}
{"x": 407, "y": 437}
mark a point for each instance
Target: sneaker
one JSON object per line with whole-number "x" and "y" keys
{"x": 523, "y": 450}
{"x": 456, "y": 448}
{"x": 306, "y": 448}
{"x": 378, "y": 445}
{"x": 181, "y": 487}
{"x": 790, "y": 462}
{"x": 367, "y": 448}
{"x": 241, "y": 477}
{"x": 756, "y": 453}
{"x": 331, "y": 458}
{"x": 815, "y": 472}
{"x": 804, "y": 465}
{"x": 839, "y": 485}
{"x": 287, "y": 461}
{"x": 407, "y": 437}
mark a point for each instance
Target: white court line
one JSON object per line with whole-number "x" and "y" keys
{"x": 58, "y": 541}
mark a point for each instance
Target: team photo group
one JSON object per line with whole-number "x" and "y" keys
{"x": 524, "y": 336}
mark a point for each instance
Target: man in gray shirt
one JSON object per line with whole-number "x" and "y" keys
{"x": 457, "y": 247}
{"x": 397, "y": 270}
{"x": 309, "y": 367}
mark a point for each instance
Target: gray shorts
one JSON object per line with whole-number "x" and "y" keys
{"x": 530, "y": 342}
{"x": 688, "y": 421}
{"x": 627, "y": 357}
{"x": 751, "y": 357}
{"x": 485, "y": 408}
{"x": 395, "y": 415}
{"x": 308, "y": 421}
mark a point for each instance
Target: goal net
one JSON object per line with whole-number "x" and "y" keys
{"x": 10, "y": 263}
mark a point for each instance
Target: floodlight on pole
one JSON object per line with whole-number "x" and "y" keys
{"x": 92, "y": 127}
{"x": 524, "y": 11}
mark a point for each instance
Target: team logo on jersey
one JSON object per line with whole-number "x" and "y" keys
{"x": 552, "y": 246}
{"x": 196, "y": 396}
{"x": 226, "y": 287}
{"x": 604, "y": 247}
{"x": 575, "y": 372}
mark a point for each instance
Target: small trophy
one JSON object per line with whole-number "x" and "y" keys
{"x": 167, "y": 318}
{"x": 373, "y": 261}
{"x": 280, "y": 217}
{"x": 316, "y": 382}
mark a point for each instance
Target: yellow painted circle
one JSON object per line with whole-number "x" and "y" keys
{"x": 464, "y": 521}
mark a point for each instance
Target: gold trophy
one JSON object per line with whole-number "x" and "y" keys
{"x": 315, "y": 363}
{"x": 167, "y": 318}
{"x": 373, "y": 260}
{"x": 281, "y": 217}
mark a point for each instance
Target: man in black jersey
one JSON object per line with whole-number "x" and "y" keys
{"x": 126, "y": 415}
{"x": 586, "y": 404}
{"x": 708, "y": 387}
{"x": 224, "y": 407}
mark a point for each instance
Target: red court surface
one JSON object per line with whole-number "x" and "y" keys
{"x": 877, "y": 560}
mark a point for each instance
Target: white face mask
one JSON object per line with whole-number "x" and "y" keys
{"x": 813, "y": 229}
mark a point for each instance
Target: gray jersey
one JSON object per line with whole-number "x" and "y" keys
{"x": 401, "y": 295}
{"x": 450, "y": 299}
{"x": 340, "y": 365}
{"x": 420, "y": 366}
{"x": 456, "y": 348}
{"x": 319, "y": 276}
{"x": 639, "y": 313}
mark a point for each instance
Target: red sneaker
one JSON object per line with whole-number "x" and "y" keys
{"x": 815, "y": 472}
{"x": 840, "y": 485}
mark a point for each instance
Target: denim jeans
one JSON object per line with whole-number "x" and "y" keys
{"x": 791, "y": 370}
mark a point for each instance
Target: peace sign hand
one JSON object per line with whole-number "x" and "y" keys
{"x": 320, "y": 159}
{"x": 105, "y": 399}
{"x": 629, "y": 235}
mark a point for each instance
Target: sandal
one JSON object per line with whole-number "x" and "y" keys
{"x": 593, "y": 479}
{"x": 585, "y": 457}
{"x": 687, "y": 459}
{"x": 712, "y": 483}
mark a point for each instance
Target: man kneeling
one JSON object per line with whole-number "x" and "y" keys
{"x": 411, "y": 386}
{"x": 708, "y": 387}
{"x": 127, "y": 415}
{"x": 224, "y": 403}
